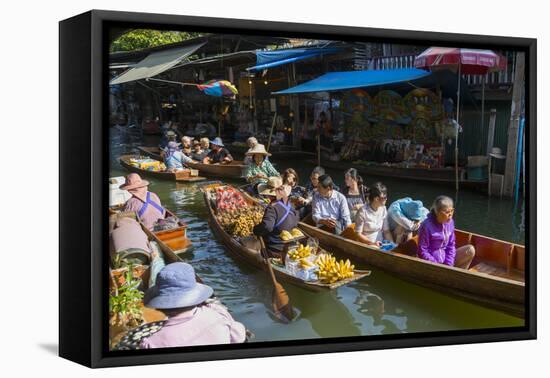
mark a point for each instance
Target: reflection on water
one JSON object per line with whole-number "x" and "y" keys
{"x": 379, "y": 304}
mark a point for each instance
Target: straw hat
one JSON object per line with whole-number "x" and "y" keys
{"x": 268, "y": 189}
{"x": 133, "y": 181}
{"x": 497, "y": 153}
{"x": 258, "y": 149}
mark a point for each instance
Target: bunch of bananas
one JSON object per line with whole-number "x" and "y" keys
{"x": 296, "y": 233}
{"x": 331, "y": 271}
{"x": 285, "y": 235}
{"x": 304, "y": 263}
{"x": 300, "y": 253}
{"x": 292, "y": 234}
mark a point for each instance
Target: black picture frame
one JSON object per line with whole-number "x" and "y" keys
{"x": 83, "y": 156}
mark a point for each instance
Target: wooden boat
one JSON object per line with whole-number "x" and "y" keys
{"x": 278, "y": 151}
{"x": 152, "y": 152}
{"x": 150, "y": 315}
{"x": 444, "y": 176}
{"x": 496, "y": 277}
{"x": 254, "y": 258}
{"x": 186, "y": 175}
{"x": 235, "y": 169}
{"x": 172, "y": 242}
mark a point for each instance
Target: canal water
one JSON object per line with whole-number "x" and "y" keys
{"x": 379, "y": 304}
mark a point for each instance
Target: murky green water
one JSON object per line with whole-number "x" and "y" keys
{"x": 379, "y": 304}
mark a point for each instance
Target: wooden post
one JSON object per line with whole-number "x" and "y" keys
{"x": 482, "y": 106}
{"x": 489, "y": 176}
{"x": 296, "y": 110}
{"x": 513, "y": 128}
{"x": 491, "y": 131}
{"x": 457, "y": 126}
{"x": 490, "y": 141}
{"x": 271, "y": 131}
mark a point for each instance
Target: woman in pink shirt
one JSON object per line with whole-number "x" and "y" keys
{"x": 145, "y": 203}
{"x": 192, "y": 318}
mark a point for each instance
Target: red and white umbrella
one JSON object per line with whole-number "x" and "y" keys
{"x": 469, "y": 61}
{"x": 464, "y": 62}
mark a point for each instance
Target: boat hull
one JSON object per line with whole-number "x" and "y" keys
{"x": 499, "y": 292}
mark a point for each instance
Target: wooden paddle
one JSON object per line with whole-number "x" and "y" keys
{"x": 279, "y": 300}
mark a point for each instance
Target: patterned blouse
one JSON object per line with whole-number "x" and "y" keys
{"x": 266, "y": 168}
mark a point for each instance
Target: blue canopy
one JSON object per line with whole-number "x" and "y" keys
{"x": 269, "y": 59}
{"x": 337, "y": 81}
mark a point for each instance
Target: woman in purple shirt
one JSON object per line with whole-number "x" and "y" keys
{"x": 436, "y": 237}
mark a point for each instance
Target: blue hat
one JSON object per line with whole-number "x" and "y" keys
{"x": 177, "y": 287}
{"x": 414, "y": 210}
{"x": 217, "y": 141}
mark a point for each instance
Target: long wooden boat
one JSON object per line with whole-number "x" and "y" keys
{"x": 179, "y": 176}
{"x": 172, "y": 242}
{"x": 278, "y": 151}
{"x": 496, "y": 277}
{"x": 235, "y": 169}
{"x": 443, "y": 176}
{"x": 255, "y": 259}
{"x": 152, "y": 152}
{"x": 151, "y": 317}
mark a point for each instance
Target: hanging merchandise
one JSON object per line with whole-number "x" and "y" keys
{"x": 391, "y": 108}
{"x": 423, "y": 103}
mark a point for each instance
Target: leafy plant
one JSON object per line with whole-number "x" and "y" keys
{"x": 125, "y": 302}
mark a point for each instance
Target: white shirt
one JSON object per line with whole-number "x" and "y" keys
{"x": 372, "y": 224}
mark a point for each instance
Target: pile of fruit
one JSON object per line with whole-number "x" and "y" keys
{"x": 240, "y": 222}
{"x": 300, "y": 253}
{"x": 331, "y": 271}
{"x": 229, "y": 199}
{"x": 293, "y": 234}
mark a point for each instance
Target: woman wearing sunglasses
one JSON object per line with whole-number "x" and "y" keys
{"x": 436, "y": 237}
{"x": 371, "y": 224}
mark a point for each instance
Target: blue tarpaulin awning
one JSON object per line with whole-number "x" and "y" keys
{"x": 337, "y": 81}
{"x": 269, "y": 59}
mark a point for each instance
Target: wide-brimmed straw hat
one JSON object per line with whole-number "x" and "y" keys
{"x": 497, "y": 153}
{"x": 258, "y": 149}
{"x": 217, "y": 141}
{"x": 133, "y": 181}
{"x": 177, "y": 287}
{"x": 268, "y": 189}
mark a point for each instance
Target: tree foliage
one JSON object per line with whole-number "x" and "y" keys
{"x": 144, "y": 38}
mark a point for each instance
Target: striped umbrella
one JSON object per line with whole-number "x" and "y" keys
{"x": 464, "y": 62}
